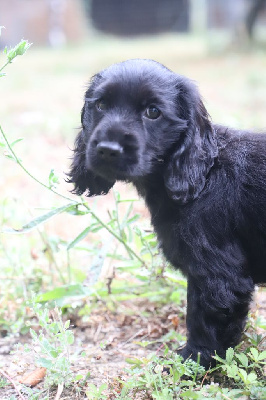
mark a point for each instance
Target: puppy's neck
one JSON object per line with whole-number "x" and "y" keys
{"x": 152, "y": 189}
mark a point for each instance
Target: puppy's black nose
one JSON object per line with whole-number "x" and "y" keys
{"x": 109, "y": 150}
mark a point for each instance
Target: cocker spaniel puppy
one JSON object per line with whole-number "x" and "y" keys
{"x": 204, "y": 184}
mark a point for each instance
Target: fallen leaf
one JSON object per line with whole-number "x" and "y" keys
{"x": 174, "y": 319}
{"x": 34, "y": 377}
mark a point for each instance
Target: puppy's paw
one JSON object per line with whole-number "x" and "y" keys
{"x": 198, "y": 354}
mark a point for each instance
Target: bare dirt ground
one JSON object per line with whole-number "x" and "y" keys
{"x": 108, "y": 340}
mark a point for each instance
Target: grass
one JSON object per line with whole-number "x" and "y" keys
{"x": 41, "y": 100}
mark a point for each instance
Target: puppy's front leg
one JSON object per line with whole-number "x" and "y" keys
{"x": 216, "y": 313}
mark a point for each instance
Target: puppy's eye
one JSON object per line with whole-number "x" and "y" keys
{"x": 101, "y": 105}
{"x": 152, "y": 112}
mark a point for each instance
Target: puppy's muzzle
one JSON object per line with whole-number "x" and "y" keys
{"x": 109, "y": 151}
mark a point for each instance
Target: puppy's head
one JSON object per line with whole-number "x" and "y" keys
{"x": 140, "y": 118}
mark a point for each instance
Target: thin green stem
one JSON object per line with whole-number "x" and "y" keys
{"x": 68, "y": 267}
{"x": 127, "y": 247}
{"x": 117, "y": 216}
{"x": 51, "y": 254}
{"x": 28, "y": 172}
{"x": 8, "y": 62}
{"x": 118, "y": 222}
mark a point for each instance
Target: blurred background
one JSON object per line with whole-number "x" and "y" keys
{"x": 220, "y": 44}
{"x": 57, "y": 22}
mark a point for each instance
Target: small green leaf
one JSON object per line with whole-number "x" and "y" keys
{"x": 53, "y": 179}
{"x": 133, "y": 219}
{"x": 78, "y": 377}
{"x": 255, "y": 354}
{"x": 70, "y": 337}
{"x": 33, "y": 334}
{"x": 176, "y": 297}
{"x": 16, "y": 141}
{"x": 39, "y": 220}
{"x": 54, "y": 326}
{"x": 189, "y": 394}
{"x": 243, "y": 359}
{"x": 252, "y": 378}
{"x": 47, "y": 345}
{"x": 54, "y": 353}
{"x": 18, "y": 50}
{"x": 10, "y": 156}
{"x": 81, "y": 236}
{"x": 62, "y": 292}
{"x": 78, "y": 210}
{"x": 96, "y": 227}
{"x": 262, "y": 356}
{"x": 243, "y": 374}
{"x": 43, "y": 362}
{"x": 102, "y": 387}
{"x": 67, "y": 324}
{"x": 144, "y": 343}
{"x": 134, "y": 361}
{"x": 229, "y": 355}
{"x": 124, "y": 236}
{"x": 232, "y": 371}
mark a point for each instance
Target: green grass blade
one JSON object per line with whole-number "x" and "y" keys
{"x": 39, "y": 220}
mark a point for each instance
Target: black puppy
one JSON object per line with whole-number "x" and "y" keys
{"x": 204, "y": 184}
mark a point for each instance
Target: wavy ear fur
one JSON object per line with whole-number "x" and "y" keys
{"x": 85, "y": 180}
{"x": 194, "y": 155}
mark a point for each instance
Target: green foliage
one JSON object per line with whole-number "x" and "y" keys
{"x": 12, "y": 53}
{"x": 51, "y": 343}
{"x": 162, "y": 378}
{"x": 52, "y": 339}
{"x": 244, "y": 368}
{"x": 170, "y": 377}
{"x": 3, "y": 382}
{"x": 93, "y": 393}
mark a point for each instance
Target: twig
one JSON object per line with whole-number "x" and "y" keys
{"x": 228, "y": 398}
{"x": 132, "y": 337}
{"x": 204, "y": 378}
{"x": 13, "y": 383}
{"x": 160, "y": 348}
{"x": 97, "y": 333}
{"x": 60, "y": 388}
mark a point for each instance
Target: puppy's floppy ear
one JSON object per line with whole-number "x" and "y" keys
{"x": 85, "y": 180}
{"x": 194, "y": 154}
